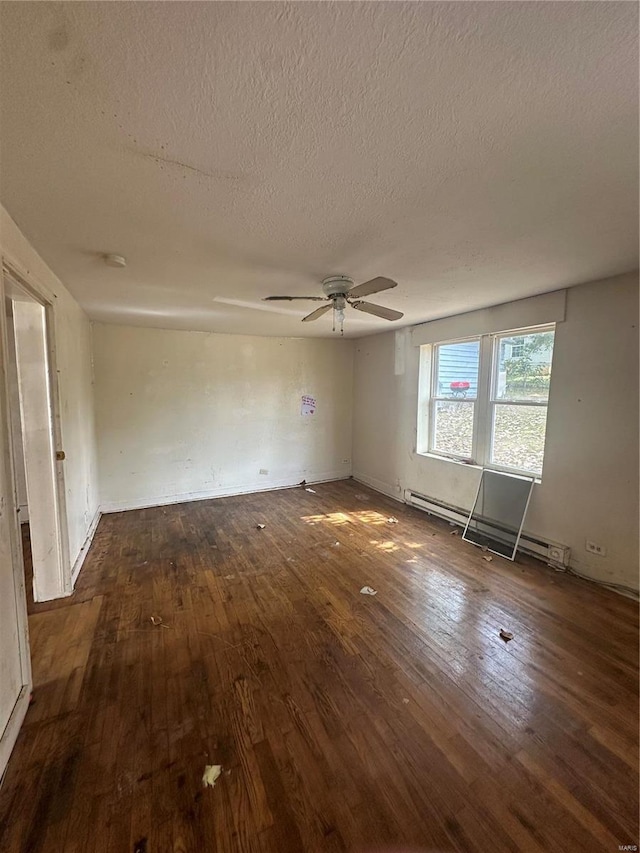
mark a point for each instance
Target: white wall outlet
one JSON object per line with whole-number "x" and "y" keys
{"x": 594, "y": 548}
{"x": 264, "y": 470}
{"x": 346, "y": 461}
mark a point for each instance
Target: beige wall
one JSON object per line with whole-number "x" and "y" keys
{"x": 589, "y": 487}
{"x": 75, "y": 389}
{"x": 184, "y": 415}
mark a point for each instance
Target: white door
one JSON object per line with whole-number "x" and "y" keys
{"x": 29, "y": 323}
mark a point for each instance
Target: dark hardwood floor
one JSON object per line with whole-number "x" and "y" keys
{"x": 342, "y": 721}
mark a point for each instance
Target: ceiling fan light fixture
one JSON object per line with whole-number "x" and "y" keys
{"x": 339, "y": 291}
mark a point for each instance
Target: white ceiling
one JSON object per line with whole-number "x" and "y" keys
{"x": 474, "y": 152}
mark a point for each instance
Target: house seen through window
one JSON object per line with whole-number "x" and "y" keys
{"x": 486, "y": 399}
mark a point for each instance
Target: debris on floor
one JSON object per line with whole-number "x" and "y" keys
{"x": 156, "y": 620}
{"x": 360, "y": 497}
{"x": 505, "y": 635}
{"x": 311, "y": 491}
{"x": 488, "y": 558}
{"x": 211, "y": 773}
{"x": 392, "y": 520}
{"x": 405, "y": 701}
{"x": 453, "y": 532}
{"x": 260, "y": 526}
{"x": 336, "y": 544}
{"x": 367, "y": 590}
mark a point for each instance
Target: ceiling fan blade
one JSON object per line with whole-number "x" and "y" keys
{"x": 258, "y": 306}
{"x": 375, "y": 285}
{"x": 317, "y": 313}
{"x": 377, "y": 310}
{"x": 291, "y": 298}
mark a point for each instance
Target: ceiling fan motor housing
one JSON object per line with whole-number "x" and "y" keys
{"x": 337, "y": 285}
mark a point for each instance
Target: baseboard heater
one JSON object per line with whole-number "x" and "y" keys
{"x": 553, "y": 553}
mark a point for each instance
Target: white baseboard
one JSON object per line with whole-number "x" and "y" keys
{"x": 231, "y": 491}
{"x": 12, "y": 729}
{"x": 379, "y": 486}
{"x": 85, "y": 548}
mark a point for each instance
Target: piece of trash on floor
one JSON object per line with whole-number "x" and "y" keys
{"x": 336, "y": 544}
{"x": 392, "y": 520}
{"x": 405, "y": 701}
{"x": 260, "y": 526}
{"x": 229, "y": 577}
{"x": 367, "y": 590}
{"x": 140, "y": 846}
{"x": 311, "y": 491}
{"x": 453, "y": 533}
{"x": 505, "y": 635}
{"x": 156, "y": 620}
{"x": 211, "y": 773}
{"x": 488, "y": 558}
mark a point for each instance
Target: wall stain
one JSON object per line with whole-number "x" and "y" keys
{"x": 216, "y": 175}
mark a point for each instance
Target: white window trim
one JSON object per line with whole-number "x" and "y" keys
{"x": 484, "y": 402}
{"x": 434, "y": 398}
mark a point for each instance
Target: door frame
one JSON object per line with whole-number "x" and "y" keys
{"x": 25, "y": 279}
{"x": 9, "y": 736}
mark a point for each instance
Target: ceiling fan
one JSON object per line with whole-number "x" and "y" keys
{"x": 339, "y": 291}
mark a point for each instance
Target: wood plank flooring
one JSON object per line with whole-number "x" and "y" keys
{"x": 343, "y": 722}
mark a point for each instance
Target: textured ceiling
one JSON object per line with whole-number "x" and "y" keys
{"x": 475, "y": 152}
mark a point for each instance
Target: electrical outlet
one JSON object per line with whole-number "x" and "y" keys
{"x": 594, "y": 548}
{"x": 264, "y": 471}
{"x": 346, "y": 461}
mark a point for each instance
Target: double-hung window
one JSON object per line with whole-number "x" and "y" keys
{"x": 484, "y": 399}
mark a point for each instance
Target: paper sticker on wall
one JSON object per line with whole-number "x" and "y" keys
{"x": 308, "y": 405}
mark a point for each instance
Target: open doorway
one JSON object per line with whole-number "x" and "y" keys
{"x": 33, "y": 443}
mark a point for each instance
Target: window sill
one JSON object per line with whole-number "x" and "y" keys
{"x": 476, "y": 467}
{"x": 440, "y": 458}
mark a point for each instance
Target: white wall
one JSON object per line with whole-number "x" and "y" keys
{"x": 192, "y": 414}
{"x": 589, "y": 486}
{"x": 74, "y": 386}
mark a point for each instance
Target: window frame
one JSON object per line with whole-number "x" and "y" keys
{"x": 485, "y": 402}
{"x": 434, "y": 399}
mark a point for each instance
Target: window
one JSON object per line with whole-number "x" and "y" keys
{"x": 484, "y": 400}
